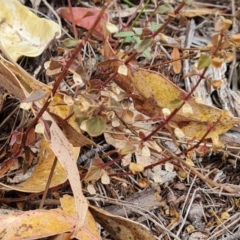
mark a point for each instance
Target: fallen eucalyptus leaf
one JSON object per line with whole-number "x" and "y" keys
{"x": 22, "y": 32}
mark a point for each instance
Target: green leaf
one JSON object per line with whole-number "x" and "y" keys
{"x": 128, "y": 40}
{"x": 176, "y": 103}
{"x": 124, "y": 34}
{"x": 70, "y": 42}
{"x": 164, "y": 8}
{"x": 204, "y": 61}
{"x": 155, "y": 27}
{"x": 147, "y": 54}
{"x": 145, "y": 43}
{"x": 152, "y": 28}
{"x": 94, "y": 126}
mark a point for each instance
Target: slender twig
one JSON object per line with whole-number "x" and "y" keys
{"x": 73, "y": 20}
{"x": 48, "y": 183}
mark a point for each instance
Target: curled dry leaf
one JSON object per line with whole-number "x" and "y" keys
{"x": 22, "y": 32}
{"x": 120, "y": 228}
{"x": 37, "y": 182}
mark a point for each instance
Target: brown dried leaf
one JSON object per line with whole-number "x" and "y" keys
{"x": 177, "y": 65}
{"x": 120, "y": 228}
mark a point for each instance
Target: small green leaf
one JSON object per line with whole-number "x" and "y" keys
{"x": 70, "y": 42}
{"x": 176, "y": 103}
{"x": 147, "y": 54}
{"x": 145, "y": 43}
{"x": 155, "y": 27}
{"x": 164, "y": 8}
{"x": 204, "y": 61}
{"x": 94, "y": 126}
{"x": 128, "y": 40}
{"x": 124, "y": 34}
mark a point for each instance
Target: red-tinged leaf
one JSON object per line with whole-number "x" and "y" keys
{"x": 85, "y": 17}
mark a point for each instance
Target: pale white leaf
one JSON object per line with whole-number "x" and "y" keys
{"x": 122, "y": 69}
{"x": 169, "y": 167}
{"x": 146, "y": 152}
{"x": 26, "y": 106}
{"x": 187, "y": 108}
{"x": 39, "y": 128}
{"x": 105, "y": 179}
{"x": 91, "y": 189}
{"x": 166, "y": 112}
{"x": 111, "y": 27}
{"x": 179, "y": 133}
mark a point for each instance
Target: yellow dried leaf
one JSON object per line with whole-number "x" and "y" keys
{"x": 235, "y": 38}
{"x": 36, "y": 224}
{"x": 190, "y": 228}
{"x": 216, "y": 84}
{"x": 94, "y": 173}
{"x": 198, "y": 12}
{"x": 182, "y": 175}
{"x": 225, "y": 216}
{"x": 190, "y": 162}
{"x": 89, "y": 229}
{"x": 216, "y": 62}
{"x": 136, "y": 168}
{"x": 22, "y": 32}
{"x": 37, "y": 182}
{"x": 227, "y": 22}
